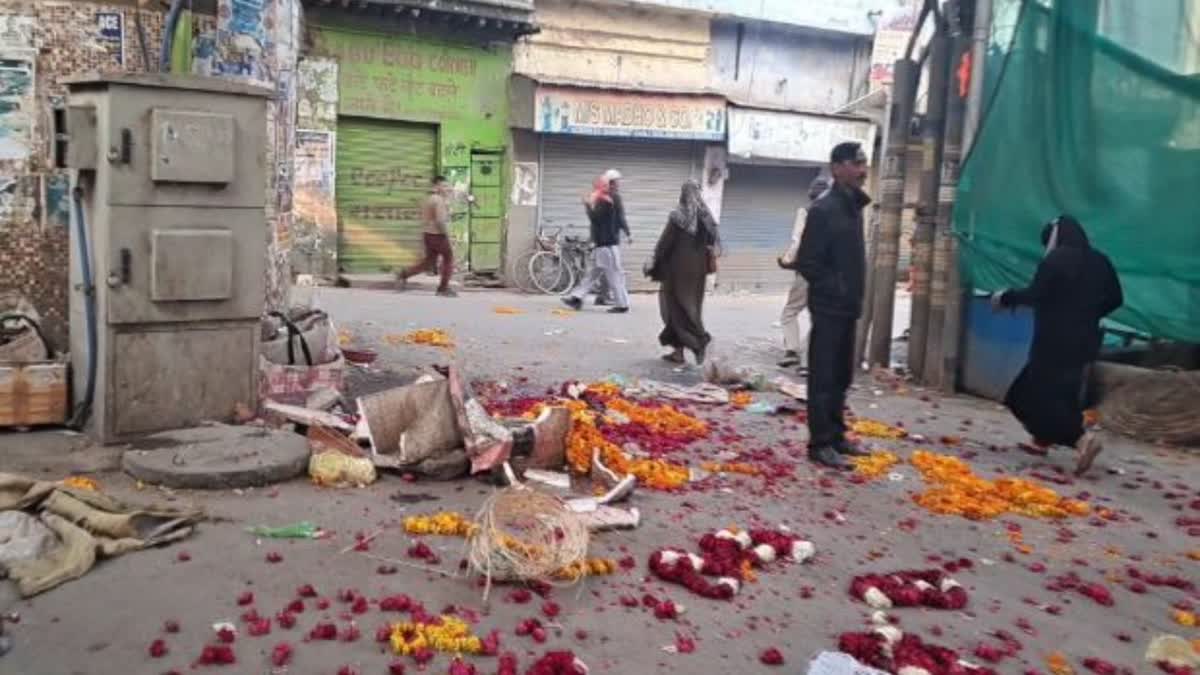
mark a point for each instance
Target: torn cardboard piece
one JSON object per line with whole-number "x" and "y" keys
{"x": 308, "y": 417}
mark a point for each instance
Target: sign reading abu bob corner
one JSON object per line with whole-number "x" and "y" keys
{"x": 560, "y": 110}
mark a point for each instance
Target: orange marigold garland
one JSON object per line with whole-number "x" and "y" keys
{"x": 585, "y": 438}
{"x": 959, "y": 491}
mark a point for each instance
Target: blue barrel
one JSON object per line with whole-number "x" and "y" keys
{"x": 995, "y": 347}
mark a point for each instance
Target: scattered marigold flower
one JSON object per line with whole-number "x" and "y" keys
{"x": 306, "y": 591}
{"x": 170, "y": 626}
{"x": 959, "y": 491}
{"x": 246, "y": 598}
{"x": 445, "y": 523}
{"x": 873, "y": 429}
{"x": 183, "y": 556}
{"x": 395, "y": 668}
{"x": 551, "y": 609}
{"x": 286, "y": 620}
{"x": 874, "y": 465}
{"x": 460, "y": 667}
{"x": 158, "y": 649}
{"x": 323, "y": 604}
{"x": 538, "y": 634}
{"x": 771, "y": 657}
{"x": 347, "y": 670}
{"x": 274, "y": 557}
{"x": 508, "y": 664}
{"x": 1058, "y": 664}
{"x": 445, "y": 634}
{"x": 226, "y": 635}
{"x": 259, "y": 628}
{"x": 360, "y": 605}
{"x": 1184, "y": 618}
{"x": 351, "y": 634}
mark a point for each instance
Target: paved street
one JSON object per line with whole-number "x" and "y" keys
{"x": 104, "y": 622}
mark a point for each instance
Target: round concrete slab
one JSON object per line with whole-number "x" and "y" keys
{"x": 216, "y": 457}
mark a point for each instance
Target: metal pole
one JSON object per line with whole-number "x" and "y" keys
{"x": 956, "y": 101}
{"x": 952, "y": 332}
{"x": 864, "y": 322}
{"x": 891, "y": 200}
{"x": 921, "y": 270}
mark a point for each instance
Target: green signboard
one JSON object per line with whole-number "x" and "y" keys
{"x": 462, "y": 88}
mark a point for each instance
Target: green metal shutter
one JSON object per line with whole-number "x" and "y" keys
{"x": 384, "y": 171}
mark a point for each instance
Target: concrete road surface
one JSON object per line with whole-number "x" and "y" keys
{"x": 1141, "y": 495}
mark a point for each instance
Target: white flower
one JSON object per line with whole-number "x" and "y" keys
{"x": 730, "y": 582}
{"x": 875, "y": 598}
{"x": 912, "y": 670}
{"x": 670, "y": 557}
{"x": 697, "y": 561}
{"x": 765, "y": 552}
{"x": 742, "y": 537}
{"x": 802, "y": 551}
{"x": 879, "y": 618}
{"x": 949, "y": 583}
{"x": 922, "y": 585}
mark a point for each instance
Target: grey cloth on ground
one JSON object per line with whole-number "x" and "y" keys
{"x": 607, "y": 266}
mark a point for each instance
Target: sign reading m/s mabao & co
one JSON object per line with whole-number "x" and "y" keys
{"x": 561, "y": 110}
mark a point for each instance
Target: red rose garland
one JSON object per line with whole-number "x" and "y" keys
{"x": 910, "y": 588}
{"x": 727, "y": 554}
{"x": 888, "y": 648}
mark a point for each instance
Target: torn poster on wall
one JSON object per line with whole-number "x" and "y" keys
{"x": 314, "y": 240}
{"x": 17, "y": 105}
{"x": 16, "y": 30}
{"x": 242, "y": 40}
{"x": 56, "y": 195}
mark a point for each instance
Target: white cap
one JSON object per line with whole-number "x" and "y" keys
{"x": 612, "y": 174}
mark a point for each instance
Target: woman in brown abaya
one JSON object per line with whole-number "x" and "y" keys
{"x": 684, "y": 257}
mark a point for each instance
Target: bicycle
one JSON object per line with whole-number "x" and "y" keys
{"x": 557, "y": 270}
{"x": 519, "y": 271}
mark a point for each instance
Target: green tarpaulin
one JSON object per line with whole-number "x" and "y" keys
{"x": 1090, "y": 116}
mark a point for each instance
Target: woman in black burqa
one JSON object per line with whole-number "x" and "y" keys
{"x": 1074, "y": 287}
{"x": 682, "y": 260}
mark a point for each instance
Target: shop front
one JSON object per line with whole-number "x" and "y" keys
{"x": 657, "y": 141}
{"x": 410, "y": 108}
{"x": 772, "y": 158}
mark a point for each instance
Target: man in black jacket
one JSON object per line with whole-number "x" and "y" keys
{"x": 832, "y": 258}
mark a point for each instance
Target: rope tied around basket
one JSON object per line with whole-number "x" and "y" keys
{"x": 525, "y": 535}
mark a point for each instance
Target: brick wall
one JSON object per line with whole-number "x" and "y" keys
{"x": 54, "y": 39}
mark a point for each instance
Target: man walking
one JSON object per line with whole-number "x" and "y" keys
{"x": 797, "y": 299}
{"x": 832, "y": 259}
{"x": 607, "y": 217}
{"x": 435, "y": 216}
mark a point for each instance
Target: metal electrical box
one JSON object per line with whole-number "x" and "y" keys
{"x": 171, "y": 183}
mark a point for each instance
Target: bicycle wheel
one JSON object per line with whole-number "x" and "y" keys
{"x": 518, "y": 272}
{"x": 548, "y": 272}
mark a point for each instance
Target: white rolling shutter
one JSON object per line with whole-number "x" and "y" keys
{"x": 653, "y": 172}
{"x": 758, "y": 211}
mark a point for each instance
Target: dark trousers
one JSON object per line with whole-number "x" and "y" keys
{"x": 436, "y": 246}
{"x": 830, "y": 370}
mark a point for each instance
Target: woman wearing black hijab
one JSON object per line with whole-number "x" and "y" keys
{"x": 1074, "y": 287}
